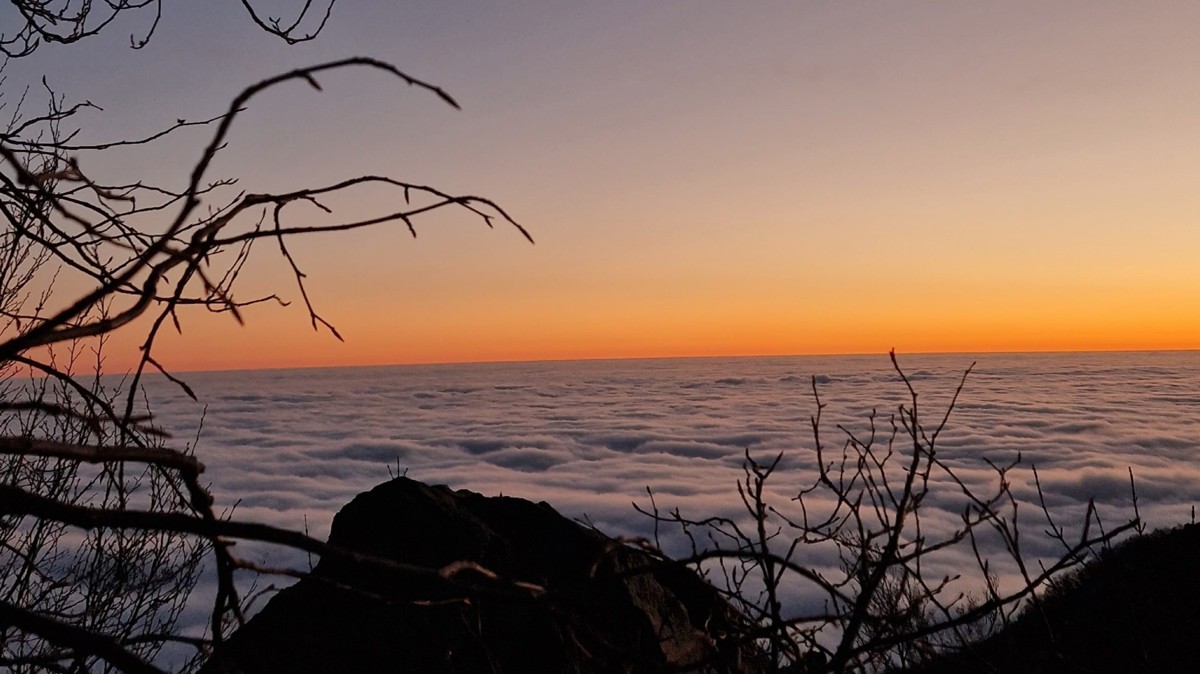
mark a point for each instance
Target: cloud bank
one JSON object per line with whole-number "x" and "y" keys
{"x": 291, "y": 447}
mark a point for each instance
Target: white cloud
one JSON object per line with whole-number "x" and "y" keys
{"x": 589, "y": 438}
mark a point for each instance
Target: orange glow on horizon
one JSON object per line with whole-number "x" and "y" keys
{"x": 285, "y": 342}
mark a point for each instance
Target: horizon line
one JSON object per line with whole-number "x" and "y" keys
{"x": 678, "y": 357}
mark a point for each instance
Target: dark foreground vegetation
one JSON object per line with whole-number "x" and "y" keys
{"x": 600, "y": 605}
{"x": 1135, "y": 608}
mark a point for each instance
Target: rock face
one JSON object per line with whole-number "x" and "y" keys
{"x": 1135, "y": 609}
{"x": 608, "y": 608}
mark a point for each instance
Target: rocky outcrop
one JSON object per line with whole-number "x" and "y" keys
{"x": 607, "y": 607}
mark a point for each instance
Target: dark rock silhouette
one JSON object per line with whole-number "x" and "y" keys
{"x": 596, "y": 616}
{"x": 1135, "y": 609}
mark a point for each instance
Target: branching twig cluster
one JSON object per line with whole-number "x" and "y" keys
{"x": 884, "y": 603}
{"x": 95, "y": 510}
{"x": 39, "y": 22}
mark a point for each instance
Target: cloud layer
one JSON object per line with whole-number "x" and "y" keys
{"x": 291, "y": 447}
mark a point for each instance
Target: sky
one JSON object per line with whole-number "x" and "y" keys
{"x": 700, "y": 178}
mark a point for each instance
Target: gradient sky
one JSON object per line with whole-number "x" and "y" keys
{"x": 701, "y": 178}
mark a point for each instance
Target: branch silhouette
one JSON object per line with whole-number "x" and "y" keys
{"x": 77, "y": 456}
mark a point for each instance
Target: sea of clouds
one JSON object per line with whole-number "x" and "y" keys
{"x": 290, "y": 447}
